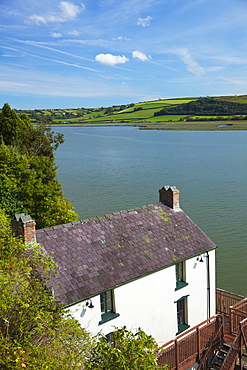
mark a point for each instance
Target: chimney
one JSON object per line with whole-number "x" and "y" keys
{"x": 169, "y": 195}
{"x": 23, "y": 225}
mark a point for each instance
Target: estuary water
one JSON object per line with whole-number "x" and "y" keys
{"x": 107, "y": 169}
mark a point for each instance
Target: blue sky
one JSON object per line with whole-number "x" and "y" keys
{"x": 61, "y": 54}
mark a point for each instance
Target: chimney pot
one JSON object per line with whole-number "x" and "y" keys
{"x": 169, "y": 195}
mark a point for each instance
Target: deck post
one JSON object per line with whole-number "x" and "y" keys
{"x": 222, "y": 328}
{"x": 230, "y": 319}
{"x": 176, "y": 354}
{"x": 221, "y": 301}
{"x": 240, "y": 353}
{"x": 198, "y": 343}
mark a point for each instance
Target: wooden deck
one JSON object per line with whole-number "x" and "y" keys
{"x": 200, "y": 343}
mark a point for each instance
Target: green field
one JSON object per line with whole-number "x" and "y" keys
{"x": 142, "y": 114}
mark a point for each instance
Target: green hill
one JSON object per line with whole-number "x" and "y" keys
{"x": 189, "y": 113}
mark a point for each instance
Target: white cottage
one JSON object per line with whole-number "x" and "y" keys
{"x": 150, "y": 267}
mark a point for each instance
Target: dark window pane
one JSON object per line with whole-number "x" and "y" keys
{"x": 109, "y": 305}
{"x": 106, "y": 301}
{"x": 102, "y": 302}
{"x": 180, "y": 271}
{"x": 181, "y": 312}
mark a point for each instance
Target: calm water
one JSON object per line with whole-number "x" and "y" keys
{"x": 106, "y": 169}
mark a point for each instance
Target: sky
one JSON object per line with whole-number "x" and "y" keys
{"x": 94, "y": 53}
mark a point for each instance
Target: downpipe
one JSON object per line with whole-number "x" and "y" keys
{"x": 208, "y": 286}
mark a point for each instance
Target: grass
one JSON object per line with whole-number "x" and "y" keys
{"x": 144, "y": 117}
{"x": 242, "y": 99}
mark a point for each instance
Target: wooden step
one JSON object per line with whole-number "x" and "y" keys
{"x": 229, "y": 338}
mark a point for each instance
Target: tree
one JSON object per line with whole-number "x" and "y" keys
{"x": 30, "y": 186}
{"x": 108, "y": 110}
{"x": 12, "y": 127}
{"x": 35, "y": 332}
{"x": 28, "y": 174}
{"x": 128, "y": 350}
{"x": 17, "y": 130}
{"x": 204, "y": 106}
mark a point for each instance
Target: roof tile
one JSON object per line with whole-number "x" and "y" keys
{"x": 104, "y": 252}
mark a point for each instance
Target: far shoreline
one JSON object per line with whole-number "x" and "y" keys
{"x": 169, "y": 126}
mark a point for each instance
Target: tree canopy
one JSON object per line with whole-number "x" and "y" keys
{"x": 35, "y": 332}
{"x": 127, "y": 350}
{"x": 28, "y": 174}
{"x": 204, "y": 106}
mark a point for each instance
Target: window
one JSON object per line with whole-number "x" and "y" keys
{"x": 106, "y": 301}
{"x": 107, "y": 306}
{"x": 182, "y": 315}
{"x": 110, "y": 338}
{"x": 180, "y": 275}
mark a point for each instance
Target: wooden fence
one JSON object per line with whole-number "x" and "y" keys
{"x": 208, "y": 355}
{"x": 238, "y": 312}
{"x": 189, "y": 347}
{"x": 198, "y": 344}
{"x": 236, "y": 350}
{"x": 224, "y": 300}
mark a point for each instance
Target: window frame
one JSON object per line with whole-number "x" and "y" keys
{"x": 182, "y": 314}
{"x": 107, "y": 305}
{"x": 180, "y": 271}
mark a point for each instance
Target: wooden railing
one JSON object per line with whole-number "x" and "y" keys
{"x": 199, "y": 343}
{"x": 208, "y": 355}
{"x": 189, "y": 347}
{"x": 224, "y": 300}
{"x": 238, "y": 312}
{"x": 235, "y": 352}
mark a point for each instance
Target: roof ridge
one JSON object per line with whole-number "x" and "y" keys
{"x": 97, "y": 218}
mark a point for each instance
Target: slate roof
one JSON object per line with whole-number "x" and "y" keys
{"x": 102, "y": 253}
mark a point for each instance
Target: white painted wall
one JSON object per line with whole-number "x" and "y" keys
{"x": 149, "y": 302}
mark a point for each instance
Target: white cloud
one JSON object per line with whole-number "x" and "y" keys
{"x": 37, "y": 44}
{"x": 62, "y": 62}
{"x": 10, "y": 84}
{"x": 191, "y": 65}
{"x": 56, "y": 35}
{"x": 111, "y": 60}
{"x": 68, "y": 12}
{"x": 121, "y": 38}
{"x": 231, "y": 59}
{"x": 74, "y": 33}
{"x": 214, "y": 69}
{"x": 144, "y": 22}
{"x": 139, "y": 55}
{"x": 237, "y": 82}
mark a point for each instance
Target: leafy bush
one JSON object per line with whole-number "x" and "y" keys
{"x": 28, "y": 171}
{"x": 128, "y": 350}
{"x": 35, "y": 332}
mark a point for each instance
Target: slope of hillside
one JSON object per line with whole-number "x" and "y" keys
{"x": 177, "y": 113}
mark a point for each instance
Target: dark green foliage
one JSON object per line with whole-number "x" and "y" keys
{"x": 28, "y": 171}
{"x": 109, "y": 110}
{"x": 135, "y": 351}
{"x": 16, "y": 130}
{"x": 137, "y": 109}
{"x": 205, "y": 106}
{"x": 12, "y": 126}
{"x": 10, "y": 196}
{"x": 35, "y": 333}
